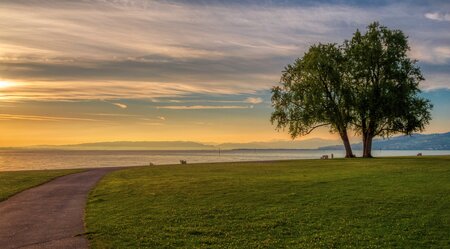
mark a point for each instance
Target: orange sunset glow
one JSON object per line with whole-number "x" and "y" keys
{"x": 89, "y": 71}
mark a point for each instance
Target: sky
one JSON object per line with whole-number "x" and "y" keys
{"x": 134, "y": 70}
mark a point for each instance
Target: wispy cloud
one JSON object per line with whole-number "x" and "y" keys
{"x": 153, "y": 119}
{"x": 148, "y": 49}
{"x": 105, "y": 90}
{"x": 120, "y": 105}
{"x": 5, "y": 116}
{"x": 203, "y": 107}
{"x": 436, "y": 81}
{"x": 438, "y": 16}
{"x": 252, "y": 100}
{"x": 429, "y": 53}
{"x": 202, "y": 100}
{"x": 112, "y": 115}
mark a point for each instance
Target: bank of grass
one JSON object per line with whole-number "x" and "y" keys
{"x": 12, "y": 182}
{"x": 356, "y": 203}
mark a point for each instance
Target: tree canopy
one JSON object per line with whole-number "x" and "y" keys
{"x": 313, "y": 94}
{"x": 385, "y": 84}
{"x": 368, "y": 85}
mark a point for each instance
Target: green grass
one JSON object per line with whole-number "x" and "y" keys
{"x": 356, "y": 203}
{"x": 12, "y": 182}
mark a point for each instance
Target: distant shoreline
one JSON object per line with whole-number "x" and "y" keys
{"x": 429, "y": 142}
{"x": 205, "y": 150}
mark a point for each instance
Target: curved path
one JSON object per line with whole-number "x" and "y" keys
{"x": 50, "y": 215}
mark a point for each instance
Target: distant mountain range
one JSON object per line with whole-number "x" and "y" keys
{"x": 130, "y": 145}
{"x": 313, "y": 143}
{"x": 438, "y": 141}
{"x": 187, "y": 145}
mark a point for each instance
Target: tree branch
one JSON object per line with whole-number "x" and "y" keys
{"x": 313, "y": 128}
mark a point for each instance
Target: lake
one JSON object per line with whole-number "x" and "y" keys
{"x": 62, "y": 159}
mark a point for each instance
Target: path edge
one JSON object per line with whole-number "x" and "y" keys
{"x": 42, "y": 183}
{"x": 85, "y": 234}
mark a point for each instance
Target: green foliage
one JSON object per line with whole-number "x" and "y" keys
{"x": 379, "y": 203}
{"x": 12, "y": 182}
{"x": 312, "y": 93}
{"x": 369, "y": 85}
{"x": 385, "y": 83}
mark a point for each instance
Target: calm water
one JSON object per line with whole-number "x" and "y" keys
{"x": 38, "y": 159}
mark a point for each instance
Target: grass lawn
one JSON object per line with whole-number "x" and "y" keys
{"x": 12, "y": 182}
{"x": 355, "y": 203}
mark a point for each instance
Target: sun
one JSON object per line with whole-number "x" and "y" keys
{"x": 5, "y": 84}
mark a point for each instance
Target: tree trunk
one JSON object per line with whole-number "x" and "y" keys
{"x": 367, "y": 145}
{"x": 347, "y": 146}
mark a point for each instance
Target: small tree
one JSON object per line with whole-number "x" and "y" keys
{"x": 313, "y": 93}
{"x": 384, "y": 83}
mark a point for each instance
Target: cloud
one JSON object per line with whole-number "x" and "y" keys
{"x": 252, "y": 100}
{"x": 436, "y": 81}
{"x": 203, "y": 107}
{"x": 148, "y": 49}
{"x": 153, "y": 120}
{"x": 219, "y": 100}
{"x": 5, "y": 116}
{"x": 104, "y": 90}
{"x": 112, "y": 115}
{"x": 120, "y": 105}
{"x": 225, "y": 74}
{"x": 431, "y": 53}
{"x": 438, "y": 16}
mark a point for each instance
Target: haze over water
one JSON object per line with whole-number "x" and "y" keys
{"x": 11, "y": 160}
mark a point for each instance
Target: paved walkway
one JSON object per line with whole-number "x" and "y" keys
{"x": 50, "y": 215}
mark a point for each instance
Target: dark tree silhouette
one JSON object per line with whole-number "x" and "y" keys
{"x": 385, "y": 85}
{"x": 369, "y": 85}
{"x": 313, "y": 93}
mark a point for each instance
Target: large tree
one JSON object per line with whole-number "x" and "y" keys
{"x": 313, "y": 93}
{"x": 385, "y": 85}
